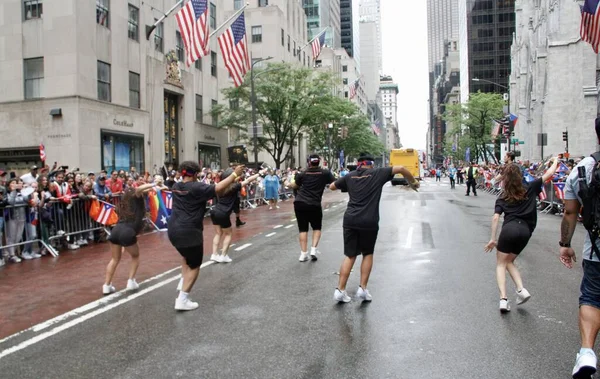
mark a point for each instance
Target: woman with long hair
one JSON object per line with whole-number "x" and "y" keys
{"x": 221, "y": 216}
{"x": 518, "y": 204}
{"x": 44, "y": 194}
{"x": 186, "y": 225}
{"x": 131, "y": 212}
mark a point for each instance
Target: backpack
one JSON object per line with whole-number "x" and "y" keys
{"x": 590, "y": 198}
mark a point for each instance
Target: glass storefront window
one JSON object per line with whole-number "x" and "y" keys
{"x": 209, "y": 156}
{"x": 122, "y": 151}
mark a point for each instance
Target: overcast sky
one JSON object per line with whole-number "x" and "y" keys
{"x": 404, "y": 34}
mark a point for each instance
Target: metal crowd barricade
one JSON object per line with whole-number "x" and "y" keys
{"x": 20, "y": 227}
{"x": 552, "y": 202}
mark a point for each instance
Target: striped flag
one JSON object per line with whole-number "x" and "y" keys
{"x": 317, "y": 44}
{"x": 234, "y": 48}
{"x": 193, "y": 25}
{"x": 42, "y": 152}
{"x": 167, "y": 197}
{"x": 590, "y": 23}
{"x": 495, "y": 129}
{"x": 559, "y": 189}
{"x": 103, "y": 213}
{"x": 354, "y": 88}
{"x": 543, "y": 194}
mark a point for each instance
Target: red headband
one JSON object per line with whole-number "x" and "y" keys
{"x": 188, "y": 173}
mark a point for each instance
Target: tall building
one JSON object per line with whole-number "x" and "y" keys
{"x": 369, "y": 57}
{"x": 388, "y": 91}
{"x": 80, "y": 77}
{"x": 486, "y": 34}
{"x": 370, "y": 12}
{"x": 321, "y": 14}
{"x": 347, "y": 33}
{"x": 442, "y": 27}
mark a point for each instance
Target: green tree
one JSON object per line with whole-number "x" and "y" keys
{"x": 472, "y": 122}
{"x": 341, "y": 114}
{"x": 286, "y": 97}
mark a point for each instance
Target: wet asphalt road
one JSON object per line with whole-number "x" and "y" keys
{"x": 266, "y": 315}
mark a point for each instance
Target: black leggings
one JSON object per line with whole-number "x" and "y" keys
{"x": 193, "y": 255}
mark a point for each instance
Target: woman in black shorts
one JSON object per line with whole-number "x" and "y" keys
{"x": 131, "y": 211}
{"x": 186, "y": 224}
{"x": 220, "y": 215}
{"x": 518, "y": 203}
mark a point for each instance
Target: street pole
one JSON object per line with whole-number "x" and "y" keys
{"x": 509, "y": 121}
{"x": 253, "y": 102}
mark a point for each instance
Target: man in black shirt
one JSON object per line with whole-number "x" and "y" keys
{"x": 310, "y": 185}
{"x": 361, "y": 220}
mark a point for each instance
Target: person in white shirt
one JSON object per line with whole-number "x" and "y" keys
{"x": 30, "y": 177}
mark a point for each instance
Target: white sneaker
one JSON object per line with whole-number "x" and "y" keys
{"x": 180, "y": 285}
{"x": 504, "y": 306}
{"x": 277, "y": 206}
{"x": 36, "y": 255}
{"x": 225, "y": 259}
{"x": 270, "y": 208}
{"x": 2, "y": 262}
{"x": 523, "y": 296}
{"x": 60, "y": 233}
{"x": 26, "y": 256}
{"x": 82, "y": 242}
{"x": 303, "y": 257}
{"x": 72, "y": 246}
{"x": 341, "y": 296}
{"x": 14, "y": 259}
{"x": 363, "y": 294}
{"x": 313, "y": 254}
{"x": 585, "y": 365}
{"x": 213, "y": 257}
{"x": 218, "y": 258}
{"x": 108, "y": 289}
{"x": 132, "y": 285}
{"x": 185, "y": 305}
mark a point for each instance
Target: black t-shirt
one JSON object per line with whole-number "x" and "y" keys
{"x": 524, "y": 210}
{"x": 170, "y": 183}
{"x": 312, "y": 183}
{"x": 187, "y": 216}
{"x": 137, "y": 208}
{"x": 226, "y": 203}
{"x": 364, "y": 187}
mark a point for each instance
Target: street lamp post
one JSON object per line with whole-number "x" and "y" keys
{"x": 507, "y": 104}
{"x": 253, "y": 104}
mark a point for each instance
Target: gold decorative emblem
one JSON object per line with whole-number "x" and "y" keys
{"x": 173, "y": 72}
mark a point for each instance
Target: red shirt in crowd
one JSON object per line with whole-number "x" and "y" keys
{"x": 115, "y": 186}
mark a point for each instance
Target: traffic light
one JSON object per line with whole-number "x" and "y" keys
{"x": 345, "y": 132}
{"x": 565, "y": 136}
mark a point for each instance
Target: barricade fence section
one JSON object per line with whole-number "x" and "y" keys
{"x": 19, "y": 226}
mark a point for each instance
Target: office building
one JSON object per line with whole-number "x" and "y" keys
{"x": 388, "y": 93}
{"x": 324, "y": 14}
{"x": 442, "y": 27}
{"x": 346, "y": 25}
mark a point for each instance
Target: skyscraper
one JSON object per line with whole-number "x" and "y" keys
{"x": 346, "y": 26}
{"x": 442, "y": 27}
{"x": 370, "y": 11}
{"x": 321, "y": 14}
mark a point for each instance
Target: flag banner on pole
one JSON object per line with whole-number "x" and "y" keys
{"x": 590, "y": 23}
{"x": 167, "y": 197}
{"x": 468, "y": 154}
{"x": 158, "y": 212}
{"x": 234, "y": 48}
{"x": 42, "y": 152}
{"x": 317, "y": 45}
{"x": 103, "y": 213}
{"x": 354, "y": 88}
{"x": 559, "y": 189}
{"x": 543, "y": 194}
{"x": 193, "y": 25}
{"x": 495, "y": 129}
{"x": 513, "y": 119}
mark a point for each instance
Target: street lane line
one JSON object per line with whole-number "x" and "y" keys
{"x": 270, "y": 234}
{"x": 409, "y": 238}
{"x": 292, "y": 220}
{"x": 414, "y": 203}
{"x": 278, "y": 226}
{"x": 83, "y": 318}
{"x": 243, "y": 247}
{"x": 327, "y": 210}
{"x": 289, "y": 226}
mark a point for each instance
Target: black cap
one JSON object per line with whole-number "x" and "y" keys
{"x": 365, "y": 157}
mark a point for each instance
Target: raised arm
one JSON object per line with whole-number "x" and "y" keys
{"x": 551, "y": 171}
{"x": 407, "y": 175}
{"x": 141, "y": 190}
{"x": 223, "y": 184}
{"x": 251, "y": 179}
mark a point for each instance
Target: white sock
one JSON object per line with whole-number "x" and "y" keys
{"x": 183, "y": 296}
{"x": 304, "y": 252}
{"x": 586, "y": 350}
{"x": 313, "y": 249}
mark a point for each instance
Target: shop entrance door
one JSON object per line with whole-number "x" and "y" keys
{"x": 171, "y": 132}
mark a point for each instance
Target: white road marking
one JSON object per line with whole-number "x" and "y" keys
{"x": 414, "y": 203}
{"x": 243, "y": 247}
{"x": 278, "y": 226}
{"x": 409, "y": 238}
{"x": 85, "y": 317}
{"x": 289, "y": 226}
{"x": 326, "y": 210}
{"x": 292, "y": 220}
{"x": 270, "y": 234}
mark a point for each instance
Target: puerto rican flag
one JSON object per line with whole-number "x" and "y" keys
{"x": 106, "y": 213}
{"x": 559, "y": 189}
{"x": 543, "y": 194}
{"x": 168, "y": 200}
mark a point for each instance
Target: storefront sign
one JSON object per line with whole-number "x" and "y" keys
{"x": 20, "y": 154}
{"x": 209, "y": 138}
{"x": 54, "y": 136}
{"x": 122, "y": 123}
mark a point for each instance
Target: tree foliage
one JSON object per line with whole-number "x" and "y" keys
{"x": 472, "y": 123}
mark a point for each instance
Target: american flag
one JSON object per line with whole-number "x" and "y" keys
{"x": 354, "y": 88}
{"x": 317, "y": 45}
{"x": 42, "y": 152}
{"x": 376, "y": 127}
{"x": 495, "y": 129}
{"x": 192, "y": 21}
{"x": 106, "y": 213}
{"x": 234, "y": 48}
{"x": 590, "y": 23}
{"x": 559, "y": 189}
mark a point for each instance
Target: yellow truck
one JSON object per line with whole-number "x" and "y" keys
{"x": 408, "y": 158}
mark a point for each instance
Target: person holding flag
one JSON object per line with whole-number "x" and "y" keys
{"x": 518, "y": 204}
{"x": 131, "y": 212}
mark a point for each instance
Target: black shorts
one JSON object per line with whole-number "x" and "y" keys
{"x": 514, "y": 236}
{"x": 123, "y": 235}
{"x": 359, "y": 241}
{"x": 308, "y": 214}
{"x": 221, "y": 219}
{"x": 193, "y": 255}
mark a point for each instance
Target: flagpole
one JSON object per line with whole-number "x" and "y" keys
{"x": 150, "y": 29}
{"x": 236, "y": 14}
